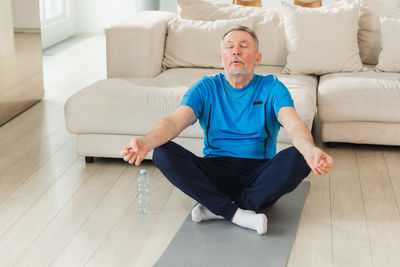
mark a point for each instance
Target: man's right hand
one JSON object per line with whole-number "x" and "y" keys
{"x": 135, "y": 152}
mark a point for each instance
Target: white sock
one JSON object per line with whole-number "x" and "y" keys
{"x": 250, "y": 220}
{"x": 201, "y": 213}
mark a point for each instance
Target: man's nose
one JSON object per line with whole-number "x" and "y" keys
{"x": 236, "y": 51}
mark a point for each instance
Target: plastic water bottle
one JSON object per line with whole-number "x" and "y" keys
{"x": 143, "y": 193}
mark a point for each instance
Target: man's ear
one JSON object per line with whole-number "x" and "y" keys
{"x": 221, "y": 60}
{"x": 258, "y": 59}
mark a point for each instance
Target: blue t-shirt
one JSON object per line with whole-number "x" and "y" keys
{"x": 241, "y": 122}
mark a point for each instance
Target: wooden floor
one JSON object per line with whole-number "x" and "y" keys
{"x": 57, "y": 211}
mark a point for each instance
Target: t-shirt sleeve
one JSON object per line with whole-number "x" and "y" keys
{"x": 281, "y": 97}
{"x": 194, "y": 99}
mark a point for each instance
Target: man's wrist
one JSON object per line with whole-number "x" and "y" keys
{"x": 309, "y": 149}
{"x": 147, "y": 143}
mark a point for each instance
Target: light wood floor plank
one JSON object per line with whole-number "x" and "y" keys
{"x": 20, "y": 149}
{"x": 179, "y": 201}
{"x": 159, "y": 238}
{"x": 8, "y": 183}
{"x": 381, "y": 211}
{"x": 21, "y": 168}
{"x": 101, "y": 223}
{"x": 313, "y": 243}
{"x": 5, "y": 162}
{"x": 32, "y": 133}
{"x": 34, "y": 113}
{"x": 57, "y": 235}
{"x": 22, "y": 233}
{"x": 161, "y": 190}
{"x": 392, "y": 159}
{"x": 176, "y": 210}
{"x": 117, "y": 244}
{"x": 19, "y": 201}
{"x": 124, "y": 244}
{"x": 32, "y": 160}
{"x": 349, "y": 228}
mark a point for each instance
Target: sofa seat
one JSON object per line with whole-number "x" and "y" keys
{"x": 129, "y": 107}
{"x": 365, "y": 104}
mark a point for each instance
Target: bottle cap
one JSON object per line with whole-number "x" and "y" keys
{"x": 143, "y": 172}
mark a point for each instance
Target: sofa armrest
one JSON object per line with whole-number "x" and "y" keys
{"x": 135, "y": 47}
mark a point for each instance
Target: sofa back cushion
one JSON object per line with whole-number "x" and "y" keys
{"x": 268, "y": 24}
{"x": 369, "y": 35}
{"x": 193, "y": 43}
{"x": 322, "y": 40}
{"x": 389, "y": 57}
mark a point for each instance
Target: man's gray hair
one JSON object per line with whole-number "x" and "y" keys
{"x": 244, "y": 29}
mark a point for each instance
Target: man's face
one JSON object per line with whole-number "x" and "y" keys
{"x": 239, "y": 53}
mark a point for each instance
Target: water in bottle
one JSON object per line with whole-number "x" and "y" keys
{"x": 143, "y": 193}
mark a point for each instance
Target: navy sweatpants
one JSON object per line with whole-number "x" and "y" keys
{"x": 215, "y": 182}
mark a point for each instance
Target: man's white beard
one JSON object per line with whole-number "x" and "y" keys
{"x": 238, "y": 72}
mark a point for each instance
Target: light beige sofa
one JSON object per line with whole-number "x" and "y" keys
{"x": 140, "y": 89}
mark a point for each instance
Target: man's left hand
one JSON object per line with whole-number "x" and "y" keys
{"x": 319, "y": 162}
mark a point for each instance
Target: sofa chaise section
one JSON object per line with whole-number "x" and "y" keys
{"x": 360, "y": 107}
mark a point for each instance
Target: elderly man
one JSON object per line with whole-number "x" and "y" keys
{"x": 240, "y": 113}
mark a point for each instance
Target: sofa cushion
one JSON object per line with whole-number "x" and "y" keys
{"x": 269, "y": 27}
{"x": 369, "y": 34}
{"x": 192, "y": 43}
{"x": 363, "y": 96}
{"x": 321, "y": 40}
{"x": 389, "y": 57}
{"x": 132, "y": 106}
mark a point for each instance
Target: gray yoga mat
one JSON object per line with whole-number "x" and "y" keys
{"x": 219, "y": 243}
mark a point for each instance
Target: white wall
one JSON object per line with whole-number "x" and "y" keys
{"x": 169, "y": 5}
{"x": 26, "y": 14}
{"x": 93, "y": 16}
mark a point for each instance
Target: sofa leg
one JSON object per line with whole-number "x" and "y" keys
{"x": 330, "y": 144}
{"x": 89, "y": 159}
